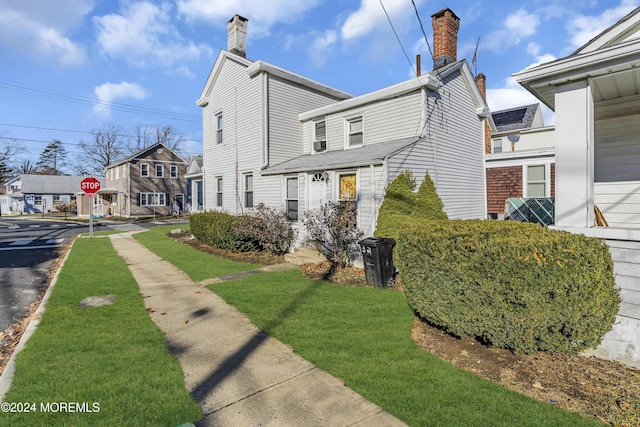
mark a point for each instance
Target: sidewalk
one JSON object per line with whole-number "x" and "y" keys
{"x": 239, "y": 375}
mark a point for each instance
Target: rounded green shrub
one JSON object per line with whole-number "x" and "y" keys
{"x": 220, "y": 230}
{"x": 513, "y": 285}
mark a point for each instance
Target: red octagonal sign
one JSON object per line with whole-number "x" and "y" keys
{"x": 90, "y": 185}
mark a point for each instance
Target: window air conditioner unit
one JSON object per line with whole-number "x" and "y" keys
{"x": 319, "y": 145}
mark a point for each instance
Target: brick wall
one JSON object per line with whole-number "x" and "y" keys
{"x": 445, "y": 34}
{"x": 503, "y": 183}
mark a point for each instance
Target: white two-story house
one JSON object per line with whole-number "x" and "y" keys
{"x": 276, "y": 137}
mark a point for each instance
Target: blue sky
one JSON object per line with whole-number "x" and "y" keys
{"x": 71, "y": 66}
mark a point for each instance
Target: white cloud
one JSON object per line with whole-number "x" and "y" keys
{"x": 144, "y": 34}
{"x": 516, "y": 27}
{"x": 262, "y": 14}
{"x": 111, "y": 92}
{"x": 583, "y": 28}
{"x": 320, "y": 49}
{"x": 40, "y": 31}
{"x": 371, "y": 16}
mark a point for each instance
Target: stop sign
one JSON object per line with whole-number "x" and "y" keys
{"x": 90, "y": 185}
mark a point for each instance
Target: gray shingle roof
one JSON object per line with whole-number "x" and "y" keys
{"x": 340, "y": 159}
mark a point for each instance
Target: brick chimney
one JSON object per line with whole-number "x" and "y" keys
{"x": 445, "y": 37}
{"x": 481, "y": 82}
{"x": 237, "y": 35}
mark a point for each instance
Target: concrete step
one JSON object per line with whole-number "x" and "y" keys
{"x": 303, "y": 254}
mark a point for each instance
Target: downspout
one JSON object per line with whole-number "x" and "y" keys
{"x": 374, "y": 208}
{"x": 264, "y": 96}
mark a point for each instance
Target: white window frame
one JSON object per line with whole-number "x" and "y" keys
{"x": 347, "y": 131}
{"x": 526, "y": 182}
{"x": 494, "y": 145}
{"x": 316, "y": 138}
{"x": 161, "y": 169}
{"x": 143, "y": 167}
{"x": 173, "y": 171}
{"x": 218, "y": 125}
{"x": 289, "y": 198}
{"x": 37, "y": 199}
{"x": 246, "y": 191}
{"x": 153, "y": 199}
{"x": 218, "y": 192}
{"x": 117, "y": 168}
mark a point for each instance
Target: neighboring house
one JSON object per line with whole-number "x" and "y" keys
{"x": 595, "y": 93}
{"x": 522, "y": 158}
{"x": 146, "y": 183}
{"x": 28, "y": 194}
{"x": 195, "y": 197}
{"x": 275, "y": 137}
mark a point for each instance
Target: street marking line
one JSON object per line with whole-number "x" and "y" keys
{"x": 53, "y": 241}
{"x": 20, "y": 242}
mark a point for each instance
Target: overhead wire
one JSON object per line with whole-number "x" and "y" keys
{"x": 79, "y": 99}
{"x": 398, "y": 38}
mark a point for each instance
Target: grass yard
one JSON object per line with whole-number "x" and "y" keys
{"x": 363, "y": 336}
{"x": 197, "y": 264}
{"x": 112, "y": 356}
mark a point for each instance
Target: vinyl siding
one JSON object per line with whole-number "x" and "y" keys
{"x": 617, "y": 176}
{"x": 382, "y": 121}
{"x": 617, "y": 151}
{"x": 286, "y": 101}
{"x": 457, "y": 136}
{"x": 238, "y": 98}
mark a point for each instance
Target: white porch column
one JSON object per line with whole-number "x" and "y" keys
{"x": 574, "y": 155}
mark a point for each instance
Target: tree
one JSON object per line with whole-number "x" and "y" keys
{"x": 25, "y": 166}
{"x": 9, "y": 148}
{"x": 52, "y": 159}
{"x": 146, "y": 136}
{"x": 107, "y": 146}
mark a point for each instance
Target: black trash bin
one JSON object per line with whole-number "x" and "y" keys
{"x": 377, "y": 255}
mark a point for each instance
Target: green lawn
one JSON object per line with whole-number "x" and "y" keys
{"x": 363, "y": 336}
{"x": 113, "y": 356}
{"x": 197, "y": 264}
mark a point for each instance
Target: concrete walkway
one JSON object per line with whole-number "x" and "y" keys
{"x": 239, "y": 375}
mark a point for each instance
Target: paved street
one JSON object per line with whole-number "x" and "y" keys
{"x": 28, "y": 249}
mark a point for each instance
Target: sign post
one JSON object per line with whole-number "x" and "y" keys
{"x": 90, "y": 186}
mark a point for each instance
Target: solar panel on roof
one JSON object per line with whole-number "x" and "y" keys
{"x": 509, "y": 117}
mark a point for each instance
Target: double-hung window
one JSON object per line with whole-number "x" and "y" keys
{"x": 219, "y": 191}
{"x": 536, "y": 181}
{"x": 319, "y": 136}
{"x": 248, "y": 190}
{"x": 497, "y": 145}
{"x": 144, "y": 170}
{"x": 153, "y": 199}
{"x": 354, "y": 132}
{"x": 219, "y": 128}
{"x": 173, "y": 172}
{"x": 291, "y": 199}
{"x": 159, "y": 171}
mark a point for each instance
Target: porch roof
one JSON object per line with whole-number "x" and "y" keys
{"x": 373, "y": 154}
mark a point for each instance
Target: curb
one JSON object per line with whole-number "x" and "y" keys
{"x": 7, "y": 375}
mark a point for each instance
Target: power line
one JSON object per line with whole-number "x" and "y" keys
{"x": 398, "y": 38}
{"x": 426, "y": 39}
{"x": 73, "y": 131}
{"x": 78, "y": 99}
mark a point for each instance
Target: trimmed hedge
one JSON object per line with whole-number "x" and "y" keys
{"x": 219, "y": 229}
{"x": 513, "y": 285}
{"x": 402, "y": 205}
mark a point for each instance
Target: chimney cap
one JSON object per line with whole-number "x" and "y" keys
{"x": 241, "y": 18}
{"x": 440, "y": 13}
